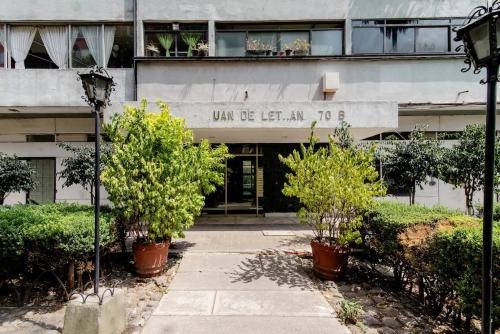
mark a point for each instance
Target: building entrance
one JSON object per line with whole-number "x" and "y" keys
{"x": 242, "y": 192}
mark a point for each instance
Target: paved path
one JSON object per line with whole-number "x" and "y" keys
{"x": 245, "y": 283}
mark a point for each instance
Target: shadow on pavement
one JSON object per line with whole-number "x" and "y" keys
{"x": 283, "y": 269}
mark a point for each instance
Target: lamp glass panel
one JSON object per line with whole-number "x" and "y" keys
{"x": 101, "y": 88}
{"x": 479, "y": 37}
{"x": 89, "y": 87}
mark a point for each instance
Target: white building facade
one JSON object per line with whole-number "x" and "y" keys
{"x": 381, "y": 66}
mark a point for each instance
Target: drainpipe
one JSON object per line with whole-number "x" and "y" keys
{"x": 135, "y": 50}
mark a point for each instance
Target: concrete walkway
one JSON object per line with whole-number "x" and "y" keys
{"x": 235, "y": 279}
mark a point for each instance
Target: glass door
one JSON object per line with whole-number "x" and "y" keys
{"x": 242, "y": 191}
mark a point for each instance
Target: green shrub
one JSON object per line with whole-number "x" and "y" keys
{"x": 437, "y": 248}
{"x": 61, "y": 231}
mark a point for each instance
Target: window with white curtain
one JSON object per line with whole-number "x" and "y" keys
{"x": 67, "y": 46}
{"x": 86, "y": 45}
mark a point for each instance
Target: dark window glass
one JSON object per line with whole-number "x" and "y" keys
{"x": 37, "y": 56}
{"x": 163, "y": 40}
{"x": 432, "y": 40}
{"x": 40, "y": 138}
{"x": 122, "y": 52}
{"x": 367, "y": 40}
{"x": 85, "y": 45}
{"x": 399, "y": 39}
{"x": 45, "y": 179}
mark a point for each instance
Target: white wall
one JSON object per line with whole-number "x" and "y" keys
{"x": 51, "y": 87}
{"x": 67, "y": 10}
{"x": 404, "y": 81}
{"x": 74, "y": 193}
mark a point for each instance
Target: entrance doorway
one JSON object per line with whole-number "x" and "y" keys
{"x": 242, "y": 192}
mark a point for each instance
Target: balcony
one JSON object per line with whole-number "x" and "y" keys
{"x": 54, "y": 88}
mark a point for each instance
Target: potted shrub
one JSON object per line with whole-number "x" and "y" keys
{"x": 157, "y": 179}
{"x": 166, "y": 41}
{"x": 301, "y": 47}
{"x": 191, "y": 39}
{"x": 334, "y": 185}
{"x": 202, "y": 49}
{"x": 256, "y": 47}
{"x": 152, "y": 50}
{"x": 288, "y": 50}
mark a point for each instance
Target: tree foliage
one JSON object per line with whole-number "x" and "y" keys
{"x": 407, "y": 164}
{"x": 463, "y": 163}
{"x": 79, "y": 168}
{"x": 157, "y": 176}
{"x": 335, "y": 185}
{"x": 15, "y": 175}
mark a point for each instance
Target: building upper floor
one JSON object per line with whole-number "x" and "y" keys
{"x": 187, "y": 46}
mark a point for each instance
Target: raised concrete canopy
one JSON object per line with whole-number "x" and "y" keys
{"x": 280, "y": 122}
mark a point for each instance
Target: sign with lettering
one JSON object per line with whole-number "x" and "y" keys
{"x": 376, "y": 114}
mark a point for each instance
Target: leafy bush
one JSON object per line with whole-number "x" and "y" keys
{"x": 439, "y": 250}
{"x": 157, "y": 177}
{"x": 57, "y": 231}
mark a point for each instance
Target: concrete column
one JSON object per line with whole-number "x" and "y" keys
{"x": 140, "y": 38}
{"x": 211, "y": 38}
{"x": 347, "y": 37}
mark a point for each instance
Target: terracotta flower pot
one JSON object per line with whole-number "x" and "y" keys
{"x": 329, "y": 262}
{"x": 150, "y": 258}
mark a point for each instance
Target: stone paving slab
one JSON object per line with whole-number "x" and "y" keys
{"x": 198, "y": 262}
{"x": 272, "y": 303}
{"x": 243, "y": 325}
{"x": 217, "y": 280}
{"x": 186, "y": 303}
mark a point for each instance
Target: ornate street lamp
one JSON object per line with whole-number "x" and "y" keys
{"x": 482, "y": 49}
{"x": 98, "y": 85}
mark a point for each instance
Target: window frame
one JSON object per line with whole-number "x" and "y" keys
{"x": 176, "y": 34}
{"x": 69, "y": 26}
{"x": 419, "y": 23}
{"x": 280, "y": 30}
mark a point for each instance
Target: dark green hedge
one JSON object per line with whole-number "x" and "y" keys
{"x": 62, "y": 231}
{"x": 437, "y": 249}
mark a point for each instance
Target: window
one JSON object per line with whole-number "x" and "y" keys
{"x": 64, "y": 46}
{"x": 45, "y": 173}
{"x": 122, "y": 52}
{"x": 174, "y": 40}
{"x": 38, "y": 57}
{"x": 38, "y": 46}
{"x": 230, "y": 44}
{"x": 250, "y": 39}
{"x": 404, "y": 36}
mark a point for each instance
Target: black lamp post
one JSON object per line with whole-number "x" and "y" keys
{"x": 98, "y": 85}
{"x": 482, "y": 49}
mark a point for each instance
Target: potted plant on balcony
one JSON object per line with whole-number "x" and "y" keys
{"x": 191, "y": 39}
{"x": 256, "y": 47}
{"x": 152, "y": 50}
{"x": 157, "y": 178}
{"x": 335, "y": 185}
{"x": 288, "y": 50}
{"x": 202, "y": 49}
{"x": 166, "y": 41}
{"x": 301, "y": 47}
